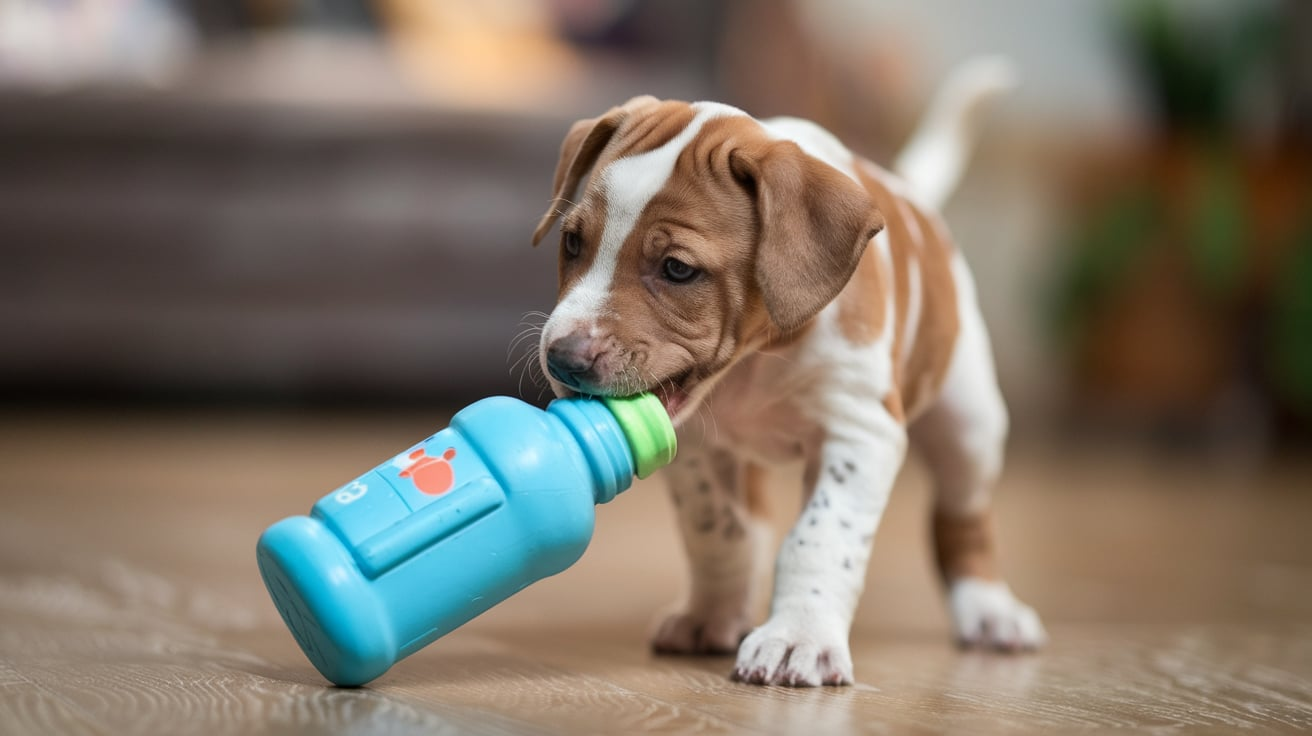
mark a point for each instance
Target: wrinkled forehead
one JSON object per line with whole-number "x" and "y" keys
{"x": 646, "y": 128}
{"x": 641, "y": 158}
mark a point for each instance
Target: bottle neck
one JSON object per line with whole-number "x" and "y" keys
{"x": 602, "y": 440}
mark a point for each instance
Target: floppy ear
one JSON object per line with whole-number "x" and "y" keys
{"x": 578, "y": 153}
{"x": 814, "y": 225}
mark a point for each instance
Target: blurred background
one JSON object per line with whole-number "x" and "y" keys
{"x": 324, "y": 202}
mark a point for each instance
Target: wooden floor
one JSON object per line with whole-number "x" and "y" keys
{"x": 1178, "y": 597}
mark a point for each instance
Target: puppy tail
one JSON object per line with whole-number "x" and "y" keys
{"x": 933, "y": 161}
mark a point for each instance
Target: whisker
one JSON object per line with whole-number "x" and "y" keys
{"x": 706, "y": 405}
{"x": 533, "y": 323}
{"x": 523, "y": 361}
{"x": 521, "y": 345}
{"x": 636, "y": 383}
{"x": 527, "y": 371}
{"x": 527, "y": 344}
{"x": 521, "y": 338}
{"x": 704, "y": 411}
{"x": 519, "y": 385}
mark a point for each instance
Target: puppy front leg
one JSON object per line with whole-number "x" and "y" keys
{"x": 821, "y": 567}
{"x": 712, "y": 493}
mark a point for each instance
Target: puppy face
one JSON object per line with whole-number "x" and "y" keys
{"x": 696, "y": 234}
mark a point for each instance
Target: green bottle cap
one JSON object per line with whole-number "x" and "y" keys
{"x": 648, "y": 429}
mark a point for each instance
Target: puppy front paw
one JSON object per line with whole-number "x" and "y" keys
{"x": 986, "y": 614}
{"x": 700, "y": 632}
{"x": 796, "y": 654}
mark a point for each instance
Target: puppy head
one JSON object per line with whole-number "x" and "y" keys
{"x": 696, "y": 236}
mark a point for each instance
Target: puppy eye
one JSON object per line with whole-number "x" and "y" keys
{"x": 571, "y": 244}
{"x": 678, "y": 272}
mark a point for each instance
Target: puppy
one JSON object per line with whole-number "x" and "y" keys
{"x": 814, "y": 305}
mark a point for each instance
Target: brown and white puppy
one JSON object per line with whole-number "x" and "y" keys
{"x": 815, "y": 305}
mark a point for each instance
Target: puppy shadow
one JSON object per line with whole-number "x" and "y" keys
{"x": 719, "y": 664}
{"x": 309, "y": 701}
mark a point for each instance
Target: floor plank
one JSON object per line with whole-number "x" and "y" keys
{"x": 1178, "y": 596}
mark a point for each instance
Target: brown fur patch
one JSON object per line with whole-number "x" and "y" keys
{"x": 578, "y": 154}
{"x": 921, "y": 359}
{"x": 814, "y": 224}
{"x": 754, "y": 487}
{"x": 862, "y": 303}
{"x": 963, "y": 547}
{"x": 940, "y": 321}
{"x": 648, "y": 128}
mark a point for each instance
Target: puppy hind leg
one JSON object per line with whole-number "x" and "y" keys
{"x": 962, "y": 438}
{"x": 716, "y": 498}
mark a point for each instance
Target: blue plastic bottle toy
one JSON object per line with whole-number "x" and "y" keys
{"x": 409, "y": 551}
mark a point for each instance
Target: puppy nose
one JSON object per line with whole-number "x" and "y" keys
{"x": 570, "y": 359}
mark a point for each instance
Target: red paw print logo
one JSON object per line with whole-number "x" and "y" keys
{"x": 431, "y": 475}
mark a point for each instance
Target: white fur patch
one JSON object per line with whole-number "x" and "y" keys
{"x": 915, "y": 298}
{"x": 969, "y": 393}
{"x": 814, "y": 141}
{"x": 985, "y": 613}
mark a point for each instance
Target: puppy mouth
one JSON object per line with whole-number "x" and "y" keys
{"x": 675, "y": 393}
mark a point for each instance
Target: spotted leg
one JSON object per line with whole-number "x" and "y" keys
{"x": 713, "y": 494}
{"x": 821, "y": 567}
